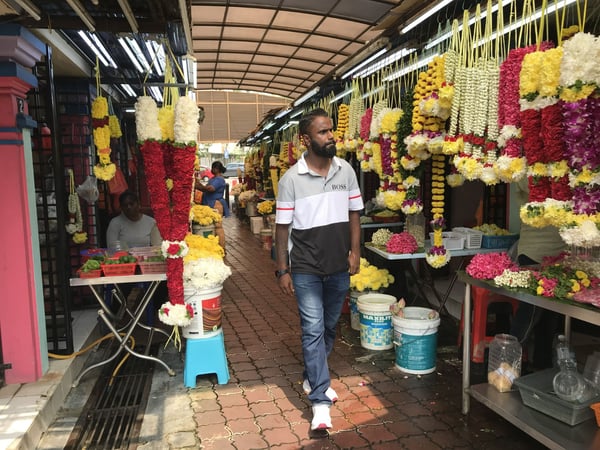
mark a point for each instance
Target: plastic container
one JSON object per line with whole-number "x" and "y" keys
{"x": 203, "y": 230}
{"x": 376, "y": 332}
{"x": 536, "y": 392}
{"x": 504, "y": 364}
{"x": 113, "y": 270}
{"x": 415, "y": 225}
{"x": 504, "y": 241}
{"x": 90, "y": 273}
{"x": 415, "y": 338}
{"x": 353, "y": 306}
{"x": 153, "y": 267}
{"x": 207, "y": 312}
{"x": 568, "y": 383}
{"x": 472, "y": 237}
{"x": 451, "y": 240}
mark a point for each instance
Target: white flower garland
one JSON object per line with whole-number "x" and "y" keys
{"x": 186, "y": 120}
{"x": 182, "y": 251}
{"x": 517, "y": 279}
{"x": 146, "y": 119}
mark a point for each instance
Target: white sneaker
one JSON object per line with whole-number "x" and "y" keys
{"x": 321, "y": 417}
{"x": 330, "y": 393}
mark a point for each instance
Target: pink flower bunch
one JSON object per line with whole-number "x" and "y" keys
{"x": 487, "y": 266}
{"x": 401, "y": 243}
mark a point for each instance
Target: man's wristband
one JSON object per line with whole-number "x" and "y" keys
{"x": 280, "y": 273}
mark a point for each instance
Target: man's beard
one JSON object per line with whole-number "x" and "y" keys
{"x": 325, "y": 151}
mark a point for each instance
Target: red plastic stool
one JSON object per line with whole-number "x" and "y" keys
{"x": 481, "y": 299}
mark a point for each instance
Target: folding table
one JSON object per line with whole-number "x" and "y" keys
{"x": 111, "y": 319}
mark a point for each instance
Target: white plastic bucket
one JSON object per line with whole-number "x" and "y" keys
{"x": 207, "y": 312}
{"x": 203, "y": 230}
{"x": 376, "y": 332}
{"x": 415, "y": 338}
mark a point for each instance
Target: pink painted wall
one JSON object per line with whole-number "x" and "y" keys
{"x": 18, "y": 310}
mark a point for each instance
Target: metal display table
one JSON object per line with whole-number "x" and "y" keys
{"x": 550, "y": 432}
{"x": 421, "y": 255}
{"x": 123, "y": 333}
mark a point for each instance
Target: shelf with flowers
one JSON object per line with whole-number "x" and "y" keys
{"x": 564, "y": 277}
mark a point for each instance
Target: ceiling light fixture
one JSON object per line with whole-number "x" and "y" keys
{"x": 102, "y": 48}
{"x": 448, "y": 34}
{"x": 29, "y": 7}
{"x": 129, "y": 90}
{"x": 185, "y": 22}
{"x": 190, "y": 70}
{"x": 412, "y": 67}
{"x": 130, "y": 54}
{"x": 137, "y": 51}
{"x": 124, "y": 4}
{"x": 158, "y": 56}
{"x": 306, "y": 96}
{"x": 156, "y": 94}
{"x": 365, "y": 62}
{"x": 82, "y": 14}
{"x": 388, "y": 60}
{"x": 84, "y": 35}
{"x": 297, "y": 113}
{"x": 341, "y": 95}
{"x": 282, "y": 113}
{"x": 422, "y": 16}
{"x": 525, "y": 20}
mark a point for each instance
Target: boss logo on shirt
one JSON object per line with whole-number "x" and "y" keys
{"x": 338, "y": 187}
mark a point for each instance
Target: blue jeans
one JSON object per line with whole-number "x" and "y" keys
{"x": 320, "y": 300}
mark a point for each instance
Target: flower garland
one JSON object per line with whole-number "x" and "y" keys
{"x": 437, "y": 255}
{"x": 381, "y": 237}
{"x": 167, "y": 160}
{"x": 75, "y": 225}
{"x": 104, "y": 168}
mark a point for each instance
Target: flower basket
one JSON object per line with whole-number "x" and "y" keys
{"x": 89, "y": 274}
{"x": 113, "y": 270}
{"x": 153, "y": 267}
{"x": 503, "y": 241}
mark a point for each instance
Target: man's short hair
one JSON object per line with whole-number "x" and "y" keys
{"x": 307, "y": 119}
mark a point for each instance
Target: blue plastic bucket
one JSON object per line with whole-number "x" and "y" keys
{"x": 415, "y": 338}
{"x": 376, "y": 331}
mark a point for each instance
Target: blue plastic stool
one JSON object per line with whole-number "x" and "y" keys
{"x": 204, "y": 356}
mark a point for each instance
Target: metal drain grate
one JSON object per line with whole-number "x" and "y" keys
{"x": 112, "y": 416}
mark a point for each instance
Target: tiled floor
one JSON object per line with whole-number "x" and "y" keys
{"x": 263, "y": 406}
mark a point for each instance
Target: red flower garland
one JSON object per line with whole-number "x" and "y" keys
{"x": 171, "y": 209}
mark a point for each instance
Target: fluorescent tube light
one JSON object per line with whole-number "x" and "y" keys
{"x": 282, "y": 113}
{"x": 84, "y": 35}
{"x": 306, "y": 96}
{"x": 137, "y": 51}
{"x": 421, "y": 17}
{"x": 102, "y": 48}
{"x": 297, "y": 113}
{"x": 158, "y": 54}
{"x": 124, "y": 4}
{"x": 132, "y": 58}
{"x": 190, "y": 70}
{"x": 340, "y": 95}
{"x": 129, "y": 110}
{"x": 414, "y": 66}
{"x": 391, "y": 59}
{"x": 83, "y": 14}
{"x": 519, "y": 23}
{"x": 268, "y": 126}
{"x": 365, "y": 62}
{"x": 155, "y": 91}
{"x": 29, "y": 7}
{"x": 472, "y": 20}
{"x": 129, "y": 90}
{"x": 374, "y": 91}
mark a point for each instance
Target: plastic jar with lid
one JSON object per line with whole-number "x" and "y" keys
{"x": 504, "y": 363}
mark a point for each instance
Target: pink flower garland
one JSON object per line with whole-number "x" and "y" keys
{"x": 486, "y": 266}
{"x": 365, "y": 124}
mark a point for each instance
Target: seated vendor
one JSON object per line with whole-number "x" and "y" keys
{"x": 132, "y": 228}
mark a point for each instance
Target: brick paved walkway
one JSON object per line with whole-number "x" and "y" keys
{"x": 379, "y": 406}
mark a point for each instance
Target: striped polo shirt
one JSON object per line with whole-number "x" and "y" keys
{"x": 318, "y": 209}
